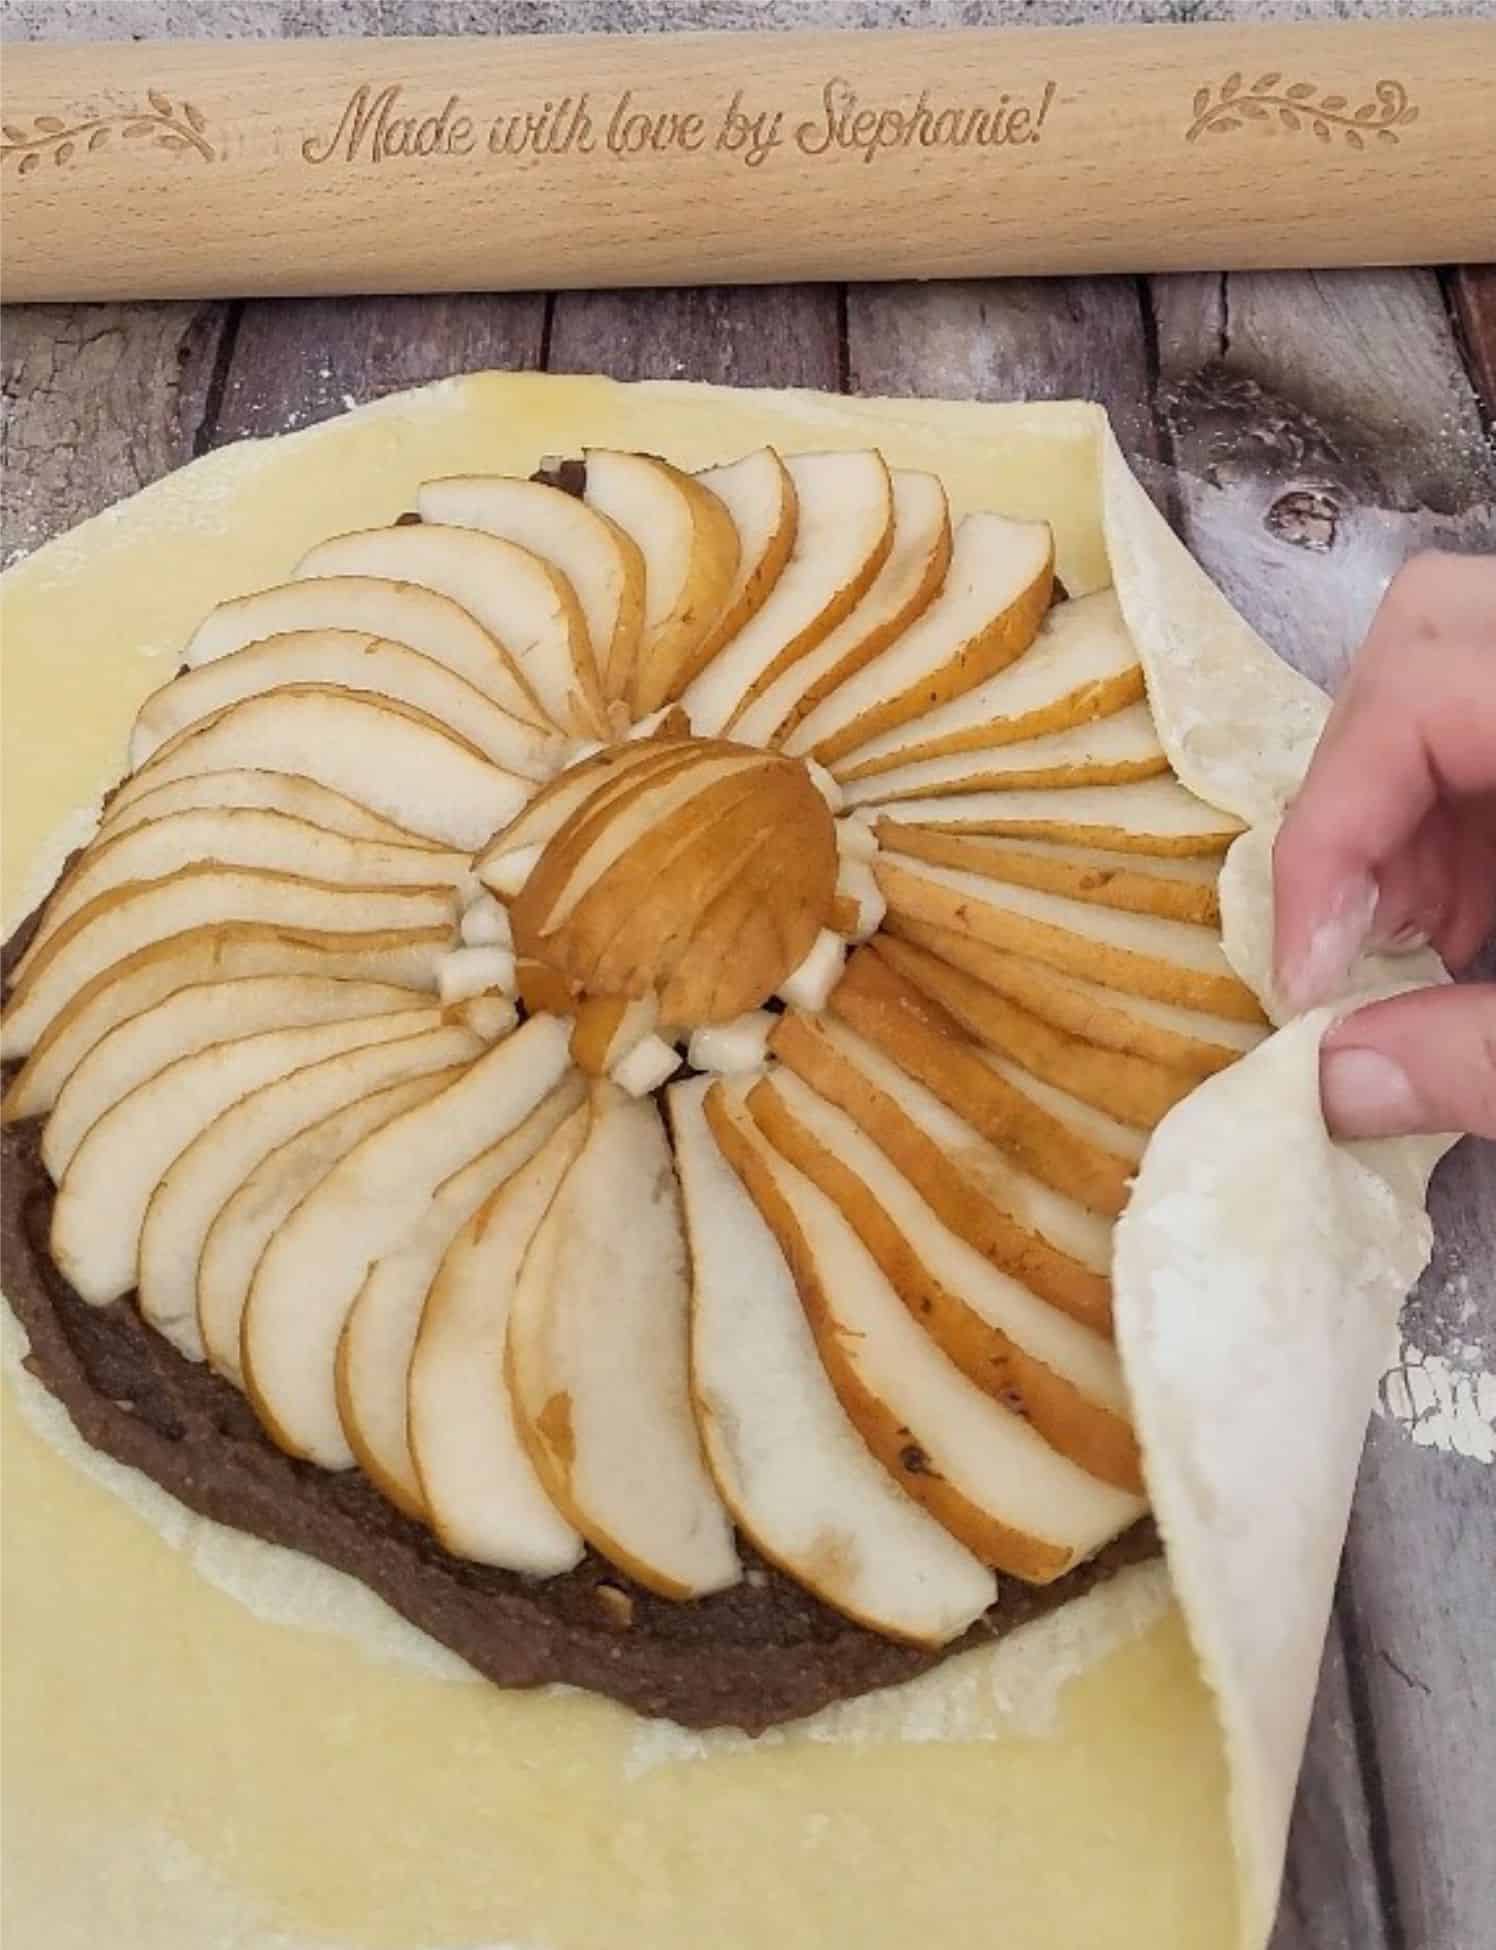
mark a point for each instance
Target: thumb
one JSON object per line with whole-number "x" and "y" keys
{"x": 1424, "y": 1061}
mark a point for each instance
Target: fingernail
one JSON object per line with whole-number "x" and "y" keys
{"x": 1366, "y": 1094}
{"x": 1320, "y": 971}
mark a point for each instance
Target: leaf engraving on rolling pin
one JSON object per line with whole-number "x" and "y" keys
{"x": 161, "y": 125}
{"x": 1219, "y": 111}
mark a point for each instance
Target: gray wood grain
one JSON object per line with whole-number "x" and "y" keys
{"x": 98, "y": 400}
{"x": 1024, "y": 338}
{"x": 1472, "y": 289}
{"x": 731, "y": 335}
{"x": 1323, "y": 429}
{"x": 297, "y": 360}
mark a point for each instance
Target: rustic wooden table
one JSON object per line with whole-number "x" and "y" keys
{"x": 1304, "y": 433}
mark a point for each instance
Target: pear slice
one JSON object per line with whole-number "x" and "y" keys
{"x": 126, "y": 988}
{"x": 313, "y": 1267}
{"x": 345, "y": 659}
{"x": 921, "y": 1038}
{"x": 125, "y": 1154}
{"x": 206, "y": 1175}
{"x": 379, "y": 1336}
{"x": 523, "y": 603}
{"x": 787, "y": 1460}
{"x": 1154, "y": 816}
{"x": 597, "y": 1360}
{"x": 603, "y": 565}
{"x": 243, "y": 838}
{"x": 400, "y": 610}
{"x": 988, "y": 612}
{"x": 550, "y": 809}
{"x": 1048, "y": 1242}
{"x": 1131, "y": 1087}
{"x": 1108, "y": 751}
{"x": 979, "y": 1469}
{"x": 1171, "y": 961}
{"x": 254, "y": 791}
{"x": 1082, "y": 665}
{"x": 1187, "y": 1040}
{"x": 1064, "y": 1379}
{"x": 388, "y": 756}
{"x": 478, "y": 1488}
{"x": 192, "y": 1019}
{"x": 255, "y": 1211}
{"x": 902, "y": 590}
{"x": 133, "y": 917}
{"x": 691, "y": 552}
{"x": 565, "y": 876}
{"x": 843, "y": 534}
{"x": 1181, "y": 889}
{"x": 759, "y": 494}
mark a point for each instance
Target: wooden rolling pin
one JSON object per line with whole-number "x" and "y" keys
{"x": 190, "y": 169}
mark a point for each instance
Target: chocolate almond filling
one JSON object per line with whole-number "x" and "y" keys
{"x": 761, "y": 1653}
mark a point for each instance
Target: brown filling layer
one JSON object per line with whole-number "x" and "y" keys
{"x": 765, "y": 1652}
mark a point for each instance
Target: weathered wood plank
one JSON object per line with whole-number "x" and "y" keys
{"x": 1023, "y": 338}
{"x": 1472, "y": 288}
{"x": 1332, "y": 1892}
{"x": 729, "y": 335}
{"x": 99, "y": 400}
{"x": 299, "y": 360}
{"x": 1322, "y": 429}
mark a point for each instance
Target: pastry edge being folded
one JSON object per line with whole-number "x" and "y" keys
{"x": 1255, "y": 1305}
{"x": 1207, "y": 1293}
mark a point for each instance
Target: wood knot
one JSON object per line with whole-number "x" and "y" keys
{"x": 1305, "y": 518}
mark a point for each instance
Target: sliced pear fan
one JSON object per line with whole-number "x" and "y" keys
{"x": 597, "y": 1361}
{"x": 314, "y": 1266}
{"x": 249, "y": 1218}
{"x": 216, "y": 1163}
{"x": 523, "y": 603}
{"x": 1154, "y": 816}
{"x": 1046, "y": 1240}
{"x": 388, "y": 756}
{"x": 975, "y": 1465}
{"x": 242, "y": 837}
{"x": 102, "y": 1198}
{"x": 1182, "y": 889}
{"x": 1189, "y": 1040}
{"x": 1065, "y": 1379}
{"x": 379, "y": 1337}
{"x": 789, "y": 1463}
{"x": 603, "y": 564}
{"x": 1170, "y": 961}
{"x": 192, "y": 1019}
{"x": 1129, "y": 1086}
{"x": 759, "y": 494}
{"x": 919, "y": 1036}
{"x": 478, "y": 1488}
{"x": 691, "y": 553}
{"x": 902, "y": 590}
{"x": 843, "y": 534}
{"x": 1109, "y": 751}
{"x": 400, "y": 610}
{"x": 1082, "y": 665}
{"x": 988, "y": 612}
{"x": 352, "y": 662}
{"x": 139, "y": 915}
{"x": 126, "y": 988}
{"x": 252, "y": 790}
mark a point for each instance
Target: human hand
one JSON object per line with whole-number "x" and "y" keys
{"x": 1393, "y": 837}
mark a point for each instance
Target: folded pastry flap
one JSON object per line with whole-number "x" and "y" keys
{"x": 1302, "y": 1304}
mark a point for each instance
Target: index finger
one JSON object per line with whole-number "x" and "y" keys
{"x": 1414, "y": 725}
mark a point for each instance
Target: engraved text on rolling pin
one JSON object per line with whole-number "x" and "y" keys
{"x": 380, "y": 125}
